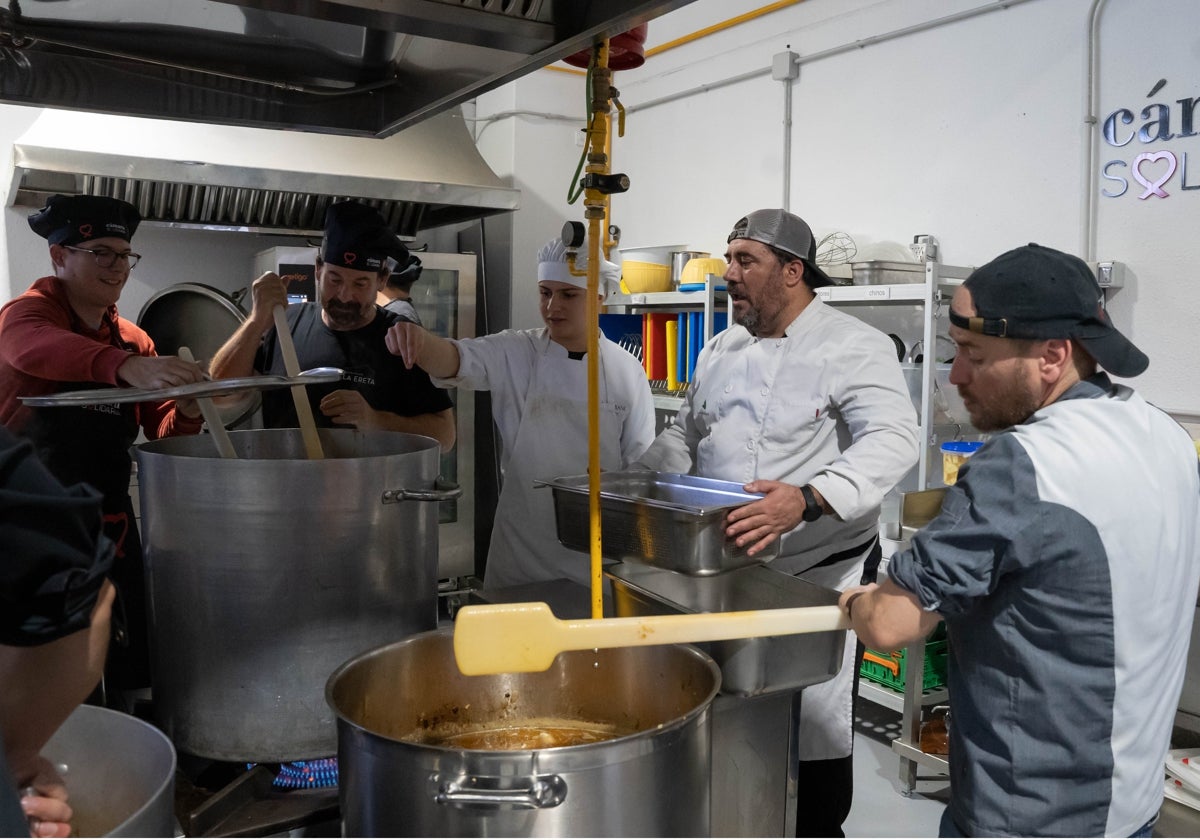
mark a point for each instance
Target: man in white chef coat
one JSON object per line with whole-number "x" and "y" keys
{"x": 807, "y": 405}
{"x": 538, "y": 383}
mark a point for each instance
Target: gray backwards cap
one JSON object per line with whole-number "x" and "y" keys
{"x": 787, "y": 232}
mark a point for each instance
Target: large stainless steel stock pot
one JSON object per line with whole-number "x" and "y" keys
{"x": 267, "y": 571}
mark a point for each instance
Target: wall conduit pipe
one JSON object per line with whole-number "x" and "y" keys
{"x": 1091, "y": 135}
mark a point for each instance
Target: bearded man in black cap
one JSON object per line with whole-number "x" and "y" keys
{"x": 345, "y": 328}
{"x": 806, "y": 405}
{"x": 64, "y": 334}
{"x": 1065, "y": 563}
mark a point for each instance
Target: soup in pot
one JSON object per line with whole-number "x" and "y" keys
{"x": 537, "y": 734}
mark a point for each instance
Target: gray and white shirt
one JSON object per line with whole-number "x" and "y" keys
{"x": 1065, "y": 562}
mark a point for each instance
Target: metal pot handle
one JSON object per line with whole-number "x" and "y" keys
{"x": 442, "y": 491}
{"x": 543, "y": 792}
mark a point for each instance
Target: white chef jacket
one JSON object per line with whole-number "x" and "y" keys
{"x": 825, "y": 405}
{"x": 539, "y": 404}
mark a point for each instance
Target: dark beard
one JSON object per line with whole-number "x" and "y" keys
{"x": 752, "y": 320}
{"x": 1014, "y": 405}
{"x": 343, "y": 315}
{"x": 762, "y": 316}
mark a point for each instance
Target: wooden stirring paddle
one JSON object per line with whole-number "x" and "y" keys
{"x": 212, "y": 417}
{"x": 308, "y": 425}
{"x": 515, "y": 638}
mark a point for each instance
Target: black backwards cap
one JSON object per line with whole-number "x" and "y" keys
{"x": 71, "y": 219}
{"x": 787, "y": 232}
{"x": 1038, "y": 293}
{"x": 409, "y": 271}
{"x": 357, "y": 237}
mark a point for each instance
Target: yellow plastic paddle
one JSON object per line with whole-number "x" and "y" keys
{"x": 512, "y": 638}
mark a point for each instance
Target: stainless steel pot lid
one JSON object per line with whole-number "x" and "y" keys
{"x": 210, "y": 388}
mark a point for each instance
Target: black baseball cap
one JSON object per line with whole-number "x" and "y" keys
{"x": 357, "y": 237}
{"x": 1039, "y": 293}
{"x": 71, "y": 219}
{"x": 787, "y": 232}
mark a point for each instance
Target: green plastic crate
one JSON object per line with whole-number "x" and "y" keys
{"x": 889, "y": 668}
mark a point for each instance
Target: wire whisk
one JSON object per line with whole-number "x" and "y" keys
{"x": 835, "y": 249}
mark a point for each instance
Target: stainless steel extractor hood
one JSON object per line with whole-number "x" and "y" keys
{"x": 366, "y": 67}
{"x": 231, "y": 177}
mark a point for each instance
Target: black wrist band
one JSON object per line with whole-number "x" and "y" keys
{"x": 812, "y": 508}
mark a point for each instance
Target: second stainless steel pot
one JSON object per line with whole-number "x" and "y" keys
{"x": 652, "y": 783}
{"x": 266, "y": 572}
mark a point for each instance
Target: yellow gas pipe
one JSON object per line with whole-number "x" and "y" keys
{"x": 596, "y": 204}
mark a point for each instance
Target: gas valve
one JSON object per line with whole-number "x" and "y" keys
{"x": 606, "y": 184}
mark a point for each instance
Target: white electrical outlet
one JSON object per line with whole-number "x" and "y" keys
{"x": 1109, "y": 275}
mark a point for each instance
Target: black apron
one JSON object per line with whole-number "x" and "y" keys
{"x": 91, "y": 444}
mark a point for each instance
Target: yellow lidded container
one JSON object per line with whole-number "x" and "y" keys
{"x": 954, "y": 454}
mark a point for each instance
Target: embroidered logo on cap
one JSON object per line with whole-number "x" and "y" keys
{"x": 349, "y": 257}
{"x": 85, "y": 231}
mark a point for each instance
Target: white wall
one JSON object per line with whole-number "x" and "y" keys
{"x": 971, "y": 131}
{"x": 537, "y": 156}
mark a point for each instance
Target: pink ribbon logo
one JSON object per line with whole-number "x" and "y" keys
{"x": 1155, "y": 187}
{"x": 85, "y": 231}
{"x": 350, "y": 256}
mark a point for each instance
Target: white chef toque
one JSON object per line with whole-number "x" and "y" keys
{"x": 552, "y": 265}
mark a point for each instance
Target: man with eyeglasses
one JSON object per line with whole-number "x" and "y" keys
{"x": 64, "y": 334}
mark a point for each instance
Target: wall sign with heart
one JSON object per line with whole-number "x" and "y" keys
{"x": 1154, "y": 187}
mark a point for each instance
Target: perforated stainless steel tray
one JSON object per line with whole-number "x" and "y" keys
{"x": 208, "y": 388}
{"x": 671, "y": 521}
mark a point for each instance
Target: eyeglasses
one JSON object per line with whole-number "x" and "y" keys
{"x": 107, "y": 258}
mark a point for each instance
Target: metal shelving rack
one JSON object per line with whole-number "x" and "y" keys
{"x": 940, "y": 282}
{"x": 706, "y": 301}
{"x": 939, "y": 285}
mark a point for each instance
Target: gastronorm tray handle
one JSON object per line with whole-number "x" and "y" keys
{"x": 442, "y": 491}
{"x": 542, "y": 792}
